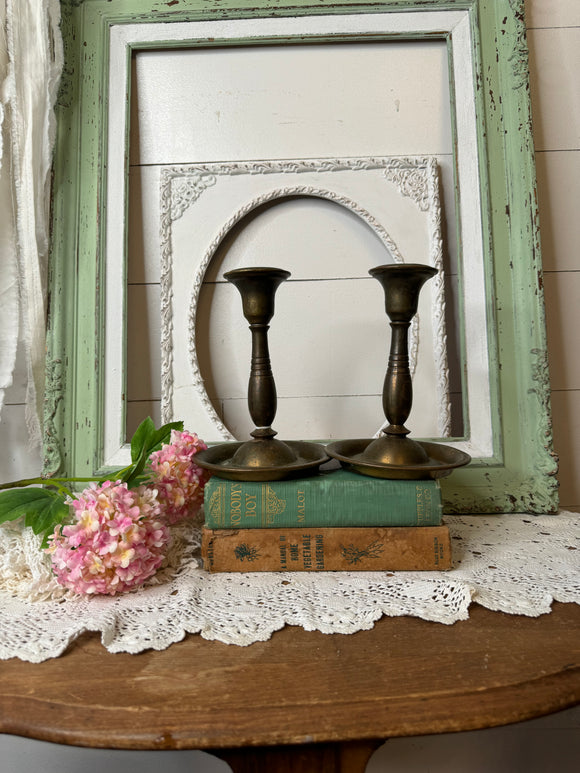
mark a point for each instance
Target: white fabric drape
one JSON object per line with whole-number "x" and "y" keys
{"x": 30, "y": 66}
{"x": 8, "y": 264}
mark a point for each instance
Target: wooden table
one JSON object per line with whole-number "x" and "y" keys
{"x": 301, "y": 701}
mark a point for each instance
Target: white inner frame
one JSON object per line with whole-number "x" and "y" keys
{"x": 183, "y": 186}
{"x": 455, "y": 24}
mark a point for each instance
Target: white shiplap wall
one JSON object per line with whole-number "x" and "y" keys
{"x": 554, "y": 41}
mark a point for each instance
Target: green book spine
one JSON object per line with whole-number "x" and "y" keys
{"x": 337, "y": 498}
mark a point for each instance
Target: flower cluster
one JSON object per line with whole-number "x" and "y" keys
{"x": 116, "y": 542}
{"x": 178, "y": 480}
{"x": 119, "y": 535}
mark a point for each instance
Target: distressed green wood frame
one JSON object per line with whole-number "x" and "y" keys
{"x": 519, "y": 475}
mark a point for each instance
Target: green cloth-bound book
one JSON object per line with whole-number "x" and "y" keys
{"x": 337, "y": 498}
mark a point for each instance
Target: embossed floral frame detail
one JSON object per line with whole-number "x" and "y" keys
{"x": 270, "y": 182}
{"x": 495, "y": 203}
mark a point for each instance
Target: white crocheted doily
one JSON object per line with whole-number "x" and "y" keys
{"x": 512, "y": 563}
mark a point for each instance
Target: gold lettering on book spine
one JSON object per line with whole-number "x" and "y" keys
{"x": 421, "y": 505}
{"x": 215, "y": 506}
{"x": 272, "y": 505}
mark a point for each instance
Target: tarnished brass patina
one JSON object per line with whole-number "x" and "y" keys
{"x": 393, "y": 454}
{"x": 263, "y": 457}
{"x": 441, "y": 460}
{"x": 219, "y": 460}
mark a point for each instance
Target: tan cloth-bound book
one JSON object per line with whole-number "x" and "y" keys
{"x": 327, "y": 549}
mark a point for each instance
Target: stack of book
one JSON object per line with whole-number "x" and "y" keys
{"x": 333, "y": 521}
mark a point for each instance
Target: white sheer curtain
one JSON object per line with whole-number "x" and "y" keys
{"x": 30, "y": 65}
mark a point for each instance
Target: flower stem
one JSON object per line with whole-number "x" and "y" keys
{"x": 44, "y": 481}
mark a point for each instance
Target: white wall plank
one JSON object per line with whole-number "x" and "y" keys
{"x": 327, "y": 338}
{"x": 138, "y": 410}
{"x": 552, "y": 13}
{"x": 316, "y": 239}
{"x": 562, "y": 294}
{"x": 143, "y": 226}
{"x": 566, "y": 421}
{"x": 554, "y": 75}
{"x": 554, "y": 87}
{"x": 329, "y": 417}
{"x": 198, "y": 102}
{"x": 558, "y": 174}
{"x": 143, "y": 343}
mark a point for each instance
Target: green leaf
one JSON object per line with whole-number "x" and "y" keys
{"x": 47, "y": 516}
{"x": 17, "y": 502}
{"x": 140, "y": 443}
{"x": 42, "y": 509}
{"x": 145, "y": 441}
{"x": 163, "y": 435}
{"x": 141, "y": 439}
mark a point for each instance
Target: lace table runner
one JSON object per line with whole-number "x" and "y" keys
{"x": 516, "y": 564}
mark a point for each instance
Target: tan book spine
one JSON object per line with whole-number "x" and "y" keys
{"x": 317, "y": 550}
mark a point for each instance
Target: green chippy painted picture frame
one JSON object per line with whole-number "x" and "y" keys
{"x": 505, "y": 384}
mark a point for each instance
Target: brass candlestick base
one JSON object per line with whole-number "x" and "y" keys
{"x": 393, "y": 454}
{"x": 263, "y": 457}
{"x": 221, "y": 461}
{"x": 441, "y": 460}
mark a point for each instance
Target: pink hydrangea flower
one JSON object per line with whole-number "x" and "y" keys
{"x": 178, "y": 480}
{"x": 115, "y": 543}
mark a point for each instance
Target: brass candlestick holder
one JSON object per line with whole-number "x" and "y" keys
{"x": 264, "y": 457}
{"x": 393, "y": 454}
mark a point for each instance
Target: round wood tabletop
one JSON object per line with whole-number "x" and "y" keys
{"x": 406, "y": 676}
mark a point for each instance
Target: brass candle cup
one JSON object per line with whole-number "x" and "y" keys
{"x": 393, "y": 454}
{"x": 264, "y": 457}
